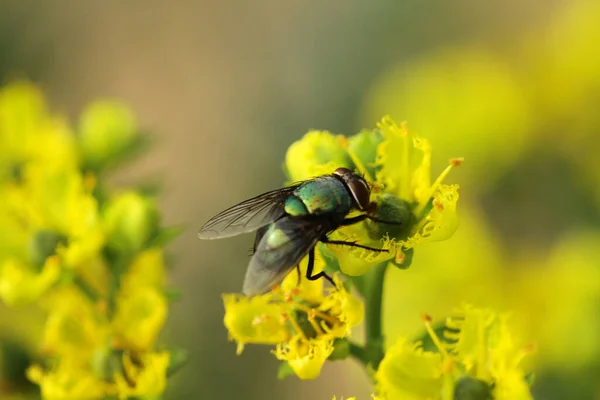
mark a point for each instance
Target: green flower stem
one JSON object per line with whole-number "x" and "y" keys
{"x": 371, "y": 287}
{"x": 374, "y": 302}
{"x": 357, "y": 351}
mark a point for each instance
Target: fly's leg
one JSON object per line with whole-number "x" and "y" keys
{"x": 354, "y": 220}
{"x": 299, "y": 274}
{"x": 352, "y": 244}
{"x": 311, "y": 265}
{"x": 359, "y": 218}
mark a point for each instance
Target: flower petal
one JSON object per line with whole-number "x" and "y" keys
{"x": 305, "y": 357}
{"x": 253, "y": 320}
{"x": 408, "y": 372}
{"x": 317, "y": 153}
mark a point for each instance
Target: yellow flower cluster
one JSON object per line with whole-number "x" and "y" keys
{"x": 306, "y": 326}
{"x": 299, "y": 318}
{"x": 397, "y": 163}
{"x": 92, "y": 260}
{"x": 477, "y": 358}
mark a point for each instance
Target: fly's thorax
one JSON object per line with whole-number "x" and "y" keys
{"x": 325, "y": 195}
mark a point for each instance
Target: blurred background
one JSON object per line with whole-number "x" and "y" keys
{"x": 226, "y": 87}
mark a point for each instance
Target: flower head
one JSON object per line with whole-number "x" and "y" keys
{"x": 477, "y": 357}
{"x": 144, "y": 376}
{"x": 398, "y": 165}
{"x": 67, "y": 381}
{"x": 302, "y": 322}
{"x": 94, "y": 262}
{"x": 306, "y": 357}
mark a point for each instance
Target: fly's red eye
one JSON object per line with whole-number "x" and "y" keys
{"x": 342, "y": 172}
{"x": 361, "y": 192}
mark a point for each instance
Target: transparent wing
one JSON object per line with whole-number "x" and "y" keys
{"x": 248, "y": 215}
{"x": 271, "y": 263}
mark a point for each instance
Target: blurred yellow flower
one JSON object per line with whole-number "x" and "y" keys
{"x": 21, "y": 283}
{"x": 139, "y": 317}
{"x": 29, "y": 134}
{"x": 408, "y": 372}
{"x": 74, "y": 328}
{"x": 445, "y": 95}
{"x": 147, "y": 269}
{"x": 144, "y": 376}
{"x": 478, "y": 359}
{"x": 66, "y": 382}
{"x": 99, "y": 276}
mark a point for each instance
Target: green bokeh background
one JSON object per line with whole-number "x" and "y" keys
{"x": 225, "y": 87}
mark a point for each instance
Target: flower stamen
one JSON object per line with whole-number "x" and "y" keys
{"x": 454, "y": 162}
{"x": 434, "y": 337}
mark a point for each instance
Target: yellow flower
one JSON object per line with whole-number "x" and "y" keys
{"x": 306, "y": 357}
{"x": 300, "y": 319}
{"x": 398, "y": 164}
{"x": 67, "y": 382}
{"x": 144, "y": 376}
{"x": 20, "y": 283}
{"x": 408, "y": 372}
{"x": 147, "y": 269}
{"x": 29, "y": 133}
{"x": 478, "y": 358}
{"x": 75, "y": 328}
{"x": 309, "y": 291}
{"x": 318, "y": 153}
{"x": 140, "y": 316}
{"x": 349, "y": 310}
{"x": 253, "y": 320}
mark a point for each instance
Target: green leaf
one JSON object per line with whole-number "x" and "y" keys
{"x": 284, "y": 371}
{"x": 178, "y": 358}
{"x": 165, "y": 236}
{"x": 172, "y": 294}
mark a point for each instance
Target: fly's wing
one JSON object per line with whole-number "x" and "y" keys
{"x": 281, "y": 248}
{"x": 247, "y": 216}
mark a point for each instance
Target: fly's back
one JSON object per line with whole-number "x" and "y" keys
{"x": 324, "y": 195}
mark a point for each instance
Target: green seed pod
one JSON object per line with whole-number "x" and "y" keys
{"x": 341, "y": 350}
{"x": 392, "y": 209}
{"x": 468, "y": 388}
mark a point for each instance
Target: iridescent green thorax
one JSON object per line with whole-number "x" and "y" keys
{"x": 319, "y": 196}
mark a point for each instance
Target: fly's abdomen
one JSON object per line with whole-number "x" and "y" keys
{"x": 295, "y": 207}
{"x": 324, "y": 195}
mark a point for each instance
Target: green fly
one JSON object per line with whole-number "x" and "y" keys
{"x": 289, "y": 222}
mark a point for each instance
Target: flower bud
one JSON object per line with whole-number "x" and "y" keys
{"x": 107, "y": 129}
{"x": 130, "y": 220}
{"x": 341, "y": 349}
